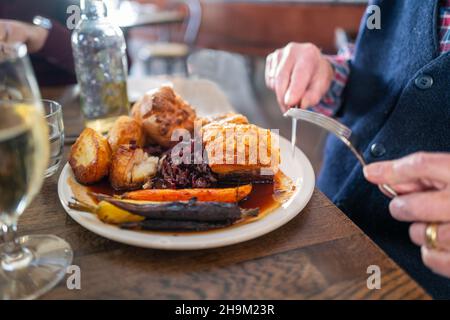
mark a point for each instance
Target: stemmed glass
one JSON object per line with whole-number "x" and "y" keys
{"x": 29, "y": 265}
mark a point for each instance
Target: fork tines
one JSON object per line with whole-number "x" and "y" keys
{"x": 320, "y": 120}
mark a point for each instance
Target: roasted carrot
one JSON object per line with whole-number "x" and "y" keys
{"x": 206, "y": 194}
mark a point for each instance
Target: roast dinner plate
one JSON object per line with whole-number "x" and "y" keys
{"x": 297, "y": 167}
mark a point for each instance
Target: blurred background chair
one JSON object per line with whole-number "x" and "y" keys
{"x": 170, "y": 53}
{"x": 230, "y": 71}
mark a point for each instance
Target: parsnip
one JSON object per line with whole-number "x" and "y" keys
{"x": 109, "y": 213}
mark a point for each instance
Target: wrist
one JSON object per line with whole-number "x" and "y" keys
{"x": 330, "y": 69}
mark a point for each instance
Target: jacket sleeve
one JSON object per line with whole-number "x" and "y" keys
{"x": 331, "y": 102}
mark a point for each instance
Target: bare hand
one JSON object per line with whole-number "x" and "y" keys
{"x": 423, "y": 182}
{"x": 12, "y": 31}
{"x": 299, "y": 74}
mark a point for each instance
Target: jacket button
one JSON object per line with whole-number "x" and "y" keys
{"x": 377, "y": 150}
{"x": 424, "y": 82}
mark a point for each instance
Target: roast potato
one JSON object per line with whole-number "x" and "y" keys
{"x": 90, "y": 157}
{"x": 162, "y": 111}
{"x": 125, "y": 130}
{"x": 131, "y": 167}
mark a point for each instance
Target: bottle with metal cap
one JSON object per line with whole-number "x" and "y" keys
{"x": 99, "y": 50}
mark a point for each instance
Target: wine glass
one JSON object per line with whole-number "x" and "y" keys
{"x": 29, "y": 265}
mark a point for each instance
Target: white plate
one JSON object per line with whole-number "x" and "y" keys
{"x": 298, "y": 169}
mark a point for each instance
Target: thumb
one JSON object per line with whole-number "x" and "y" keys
{"x": 434, "y": 166}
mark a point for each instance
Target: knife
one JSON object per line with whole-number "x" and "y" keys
{"x": 293, "y": 136}
{"x": 293, "y": 130}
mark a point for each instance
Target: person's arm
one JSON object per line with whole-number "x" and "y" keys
{"x": 53, "y": 44}
{"x": 12, "y": 31}
{"x": 57, "y": 49}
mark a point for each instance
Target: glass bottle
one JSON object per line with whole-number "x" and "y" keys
{"x": 99, "y": 50}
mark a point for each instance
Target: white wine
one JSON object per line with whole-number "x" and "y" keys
{"x": 33, "y": 264}
{"x": 24, "y": 153}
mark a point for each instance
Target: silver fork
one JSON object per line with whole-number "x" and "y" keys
{"x": 339, "y": 130}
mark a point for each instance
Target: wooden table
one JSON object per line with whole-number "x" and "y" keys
{"x": 320, "y": 254}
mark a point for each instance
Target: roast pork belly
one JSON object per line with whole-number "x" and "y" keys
{"x": 225, "y": 118}
{"x": 241, "y": 150}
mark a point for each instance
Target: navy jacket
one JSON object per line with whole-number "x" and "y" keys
{"x": 397, "y": 101}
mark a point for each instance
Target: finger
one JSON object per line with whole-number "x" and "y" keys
{"x": 315, "y": 92}
{"x": 283, "y": 76}
{"x": 274, "y": 62}
{"x": 7, "y": 32}
{"x": 423, "y": 206}
{"x": 438, "y": 261}
{"x": 319, "y": 85}
{"x": 434, "y": 166}
{"x": 268, "y": 70}
{"x": 417, "y": 235}
{"x": 405, "y": 188}
{"x": 3, "y": 32}
{"x": 299, "y": 80}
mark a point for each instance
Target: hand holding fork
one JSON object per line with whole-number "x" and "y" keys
{"x": 340, "y": 131}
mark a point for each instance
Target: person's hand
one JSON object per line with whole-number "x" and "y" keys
{"x": 299, "y": 74}
{"x": 12, "y": 31}
{"x": 423, "y": 183}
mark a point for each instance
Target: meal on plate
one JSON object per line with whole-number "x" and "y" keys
{"x": 163, "y": 168}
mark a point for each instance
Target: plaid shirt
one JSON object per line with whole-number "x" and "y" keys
{"x": 332, "y": 99}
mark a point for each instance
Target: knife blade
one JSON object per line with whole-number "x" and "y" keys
{"x": 291, "y": 113}
{"x": 293, "y": 136}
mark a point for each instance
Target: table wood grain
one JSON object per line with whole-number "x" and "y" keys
{"x": 320, "y": 254}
